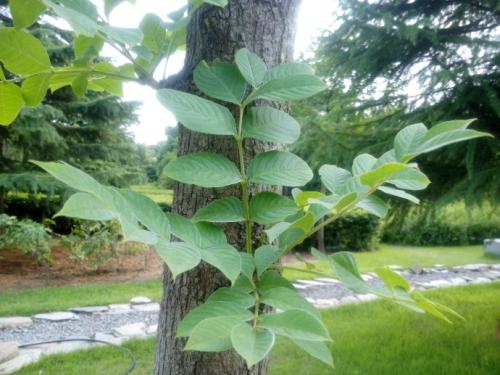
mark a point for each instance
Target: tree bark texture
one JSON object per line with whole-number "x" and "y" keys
{"x": 267, "y": 28}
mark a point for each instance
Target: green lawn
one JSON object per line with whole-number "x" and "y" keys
{"x": 35, "y": 300}
{"x": 375, "y": 338}
{"x": 405, "y": 256}
{"x": 31, "y": 301}
{"x": 157, "y": 194}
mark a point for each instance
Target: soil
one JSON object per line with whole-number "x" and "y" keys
{"x": 18, "y": 270}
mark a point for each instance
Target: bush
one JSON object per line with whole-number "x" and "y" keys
{"x": 30, "y": 237}
{"x": 358, "y": 231}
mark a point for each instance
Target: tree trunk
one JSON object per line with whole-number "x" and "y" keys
{"x": 266, "y": 27}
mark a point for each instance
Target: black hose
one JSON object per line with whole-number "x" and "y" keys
{"x": 127, "y": 350}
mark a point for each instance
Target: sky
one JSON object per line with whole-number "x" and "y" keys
{"x": 314, "y": 16}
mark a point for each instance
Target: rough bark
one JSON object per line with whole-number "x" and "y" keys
{"x": 266, "y": 27}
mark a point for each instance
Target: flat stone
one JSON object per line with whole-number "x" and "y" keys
{"x": 300, "y": 286}
{"x": 59, "y": 316}
{"x": 366, "y": 297}
{"x": 89, "y": 309}
{"x": 152, "y": 329}
{"x": 475, "y": 267}
{"x": 417, "y": 269}
{"x": 495, "y": 267}
{"x": 15, "y": 321}
{"x": 395, "y": 267}
{"x": 458, "y": 281}
{"x": 438, "y": 265}
{"x": 310, "y": 282}
{"x": 328, "y": 280}
{"x": 367, "y": 277}
{"x": 326, "y": 302}
{"x": 119, "y": 308}
{"x": 439, "y": 283}
{"x": 139, "y": 300}
{"x": 109, "y": 338}
{"x": 492, "y": 275}
{"x": 130, "y": 330}
{"x": 480, "y": 280}
{"x": 349, "y": 300}
{"x": 492, "y": 246}
{"x": 25, "y": 357}
{"x": 147, "y": 307}
{"x": 8, "y": 350}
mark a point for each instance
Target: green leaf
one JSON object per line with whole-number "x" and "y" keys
{"x": 219, "y": 3}
{"x": 334, "y": 178}
{"x": 179, "y": 256}
{"x": 270, "y": 125}
{"x": 399, "y": 193}
{"x": 233, "y": 295}
{"x": 148, "y": 213}
{"x": 265, "y": 256}
{"x": 345, "y": 201}
{"x": 302, "y": 197}
{"x": 279, "y": 168}
{"x": 447, "y": 126}
{"x": 272, "y": 279}
{"x": 35, "y": 88}
{"x": 296, "y": 324}
{"x": 251, "y": 343}
{"x": 289, "y": 88}
{"x": 109, "y": 5}
{"x": 448, "y": 138}
{"x": 87, "y": 207}
{"x": 154, "y": 34}
{"x": 407, "y": 142}
{"x": 183, "y": 228}
{"x": 198, "y": 114}
{"x": 80, "y": 83}
{"x": 203, "y": 169}
{"x": 80, "y": 14}
{"x": 11, "y": 102}
{"x": 21, "y": 52}
{"x": 213, "y": 334}
{"x": 247, "y": 265}
{"x": 288, "y": 70}
{"x": 225, "y": 258}
{"x": 381, "y": 174}
{"x": 317, "y": 349}
{"x": 270, "y": 208}
{"x": 274, "y": 232}
{"x": 26, "y": 12}
{"x": 225, "y": 210}
{"x": 127, "y": 36}
{"x": 220, "y": 80}
{"x": 86, "y": 47}
{"x": 392, "y": 280}
{"x": 210, "y": 235}
{"x": 411, "y": 179}
{"x": 287, "y": 299}
{"x": 362, "y": 164}
{"x": 251, "y": 66}
{"x": 374, "y": 205}
{"x": 347, "y": 271}
{"x": 211, "y": 310}
{"x": 298, "y": 229}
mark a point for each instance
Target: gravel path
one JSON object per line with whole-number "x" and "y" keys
{"x": 322, "y": 292}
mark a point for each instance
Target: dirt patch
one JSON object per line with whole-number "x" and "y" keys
{"x": 21, "y": 271}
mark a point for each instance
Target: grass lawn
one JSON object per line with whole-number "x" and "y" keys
{"x": 31, "y": 301}
{"x": 34, "y": 300}
{"x": 405, "y": 256}
{"x": 375, "y": 338}
{"x": 157, "y": 194}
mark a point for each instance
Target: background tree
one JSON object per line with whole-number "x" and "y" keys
{"x": 394, "y": 63}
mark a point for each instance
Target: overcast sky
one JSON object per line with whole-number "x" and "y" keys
{"x": 314, "y": 16}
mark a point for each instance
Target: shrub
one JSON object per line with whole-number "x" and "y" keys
{"x": 30, "y": 237}
{"x": 357, "y": 231}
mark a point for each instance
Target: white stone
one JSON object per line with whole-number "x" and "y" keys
{"x": 348, "y": 300}
{"x": 492, "y": 246}
{"x": 152, "y": 329}
{"x": 326, "y": 302}
{"x": 109, "y": 338}
{"x": 480, "y": 280}
{"x": 475, "y": 267}
{"x": 367, "y": 277}
{"x": 89, "y": 309}
{"x": 310, "y": 282}
{"x": 395, "y": 267}
{"x": 300, "y": 286}
{"x": 438, "y": 265}
{"x": 139, "y": 300}
{"x": 148, "y": 307}
{"x": 58, "y": 316}
{"x": 119, "y": 308}
{"x": 495, "y": 267}
{"x": 439, "y": 283}
{"x": 328, "y": 280}
{"x": 130, "y": 330}
{"x": 458, "y": 281}
{"x": 25, "y": 357}
{"x": 366, "y": 297}
{"x": 15, "y": 321}
{"x": 492, "y": 274}
{"x": 8, "y": 350}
